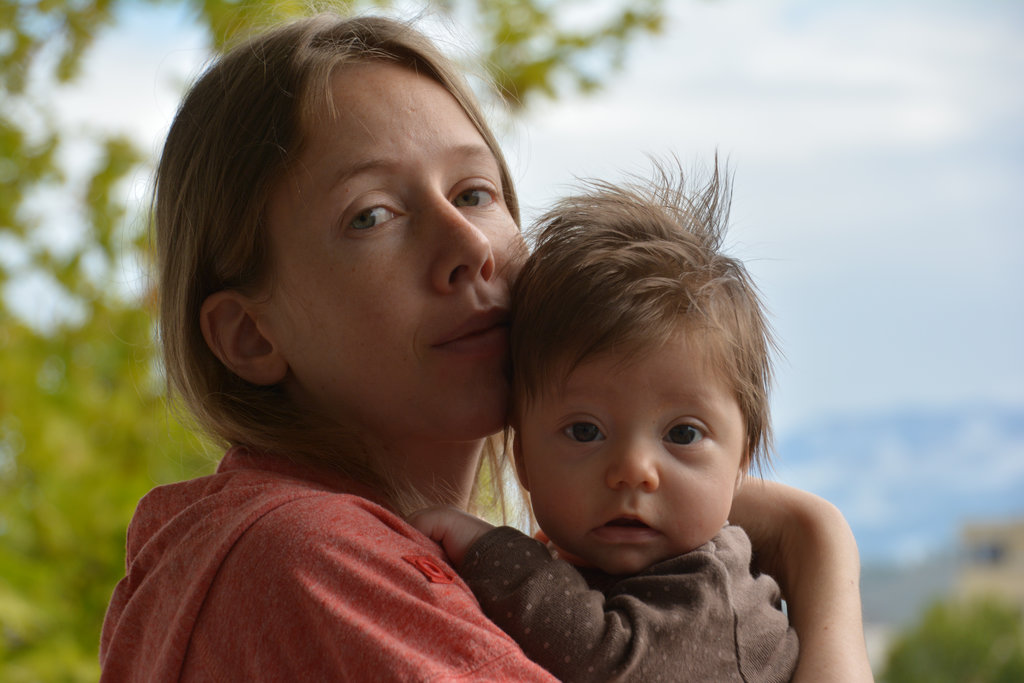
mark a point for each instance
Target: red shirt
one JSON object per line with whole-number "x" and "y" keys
{"x": 273, "y": 570}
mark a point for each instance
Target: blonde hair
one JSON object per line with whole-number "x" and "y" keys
{"x": 621, "y": 269}
{"x": 235, "y": 136}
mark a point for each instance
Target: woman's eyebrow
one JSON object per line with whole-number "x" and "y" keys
{"x": 468, "y": 152}
{"x": 345, "y": 172}
{"x": 473, "y": 152}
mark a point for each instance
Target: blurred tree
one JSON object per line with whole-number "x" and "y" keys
{"x": 84, "y": 429}
{"x": 975, "y": 642}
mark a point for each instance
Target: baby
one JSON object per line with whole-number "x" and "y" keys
{"x": 640, "y": 372}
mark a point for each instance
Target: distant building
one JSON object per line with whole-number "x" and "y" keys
{"x": 993, "y": 561}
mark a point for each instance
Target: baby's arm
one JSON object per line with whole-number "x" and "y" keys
{"x": 454, "y": 529}
{"x": 516, "y": 594}
{"x": 673, "y": 617}
{"x": 806, "y": 544}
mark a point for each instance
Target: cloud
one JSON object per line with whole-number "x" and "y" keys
{"x": 907, "y": 480}
{"x": 747, "y": 77}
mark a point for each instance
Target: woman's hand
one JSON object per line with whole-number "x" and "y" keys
{"x": 806, "y": 544}
{"x": 454, "y": 529}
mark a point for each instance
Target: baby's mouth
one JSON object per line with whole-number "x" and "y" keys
{"x": 627, "y": 530}
{"x": 627, "y": 522}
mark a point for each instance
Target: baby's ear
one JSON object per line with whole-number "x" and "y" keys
{"x": 232, "y": 331}
{"x": 517, "y": 458}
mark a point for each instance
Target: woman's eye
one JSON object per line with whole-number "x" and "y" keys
{"x": 473, "y": 198}
{"x": 583, "y": 431}
{"x": 684, "y": 435}
{"x": 371, "y": 217}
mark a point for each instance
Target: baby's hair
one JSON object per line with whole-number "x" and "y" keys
{"x": 236, "y": 136}
{"x": 620, "y": 269}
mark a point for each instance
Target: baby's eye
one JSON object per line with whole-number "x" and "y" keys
{"x": 583, "y": 431}
{"x": 473, "y": 198}
{"x": 684, "y": 435}
{"x": 371, "y": 217}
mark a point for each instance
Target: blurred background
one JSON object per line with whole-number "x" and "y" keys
{"x": 877, "y": 149}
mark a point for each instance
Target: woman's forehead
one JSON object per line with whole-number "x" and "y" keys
{"x": 381, "y": 112}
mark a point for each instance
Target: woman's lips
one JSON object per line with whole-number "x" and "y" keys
{"x": 491, "y": 339}
{"x": 485, "y": 332}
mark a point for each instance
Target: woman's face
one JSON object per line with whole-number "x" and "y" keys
{"x": 391, "y": 246}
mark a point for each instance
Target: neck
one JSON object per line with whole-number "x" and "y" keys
{"x": 441, "y": 473}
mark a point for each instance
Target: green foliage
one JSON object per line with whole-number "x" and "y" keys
{"x": 229, "y": 21}
{"x": 976, "y": 642}
{"x": 83, "y": 434}
{"x": 84, "y": 429}
{"x": 529, "y": 49}
{"x": 31, "y": 27}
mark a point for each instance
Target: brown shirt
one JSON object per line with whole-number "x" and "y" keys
{"x": 701, "y": 616}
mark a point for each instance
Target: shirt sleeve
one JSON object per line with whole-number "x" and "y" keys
{"x": 675, "y": 621}
{"x": 337, "y": 588}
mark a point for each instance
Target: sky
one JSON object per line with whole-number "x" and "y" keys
{"x": 877, "y": 148}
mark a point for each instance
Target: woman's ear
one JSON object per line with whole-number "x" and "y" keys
{"x": 517, "y": 458}
{"x": 234, "y": 336}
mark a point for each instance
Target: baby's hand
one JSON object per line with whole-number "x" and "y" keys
{"x": 454, "y": 529}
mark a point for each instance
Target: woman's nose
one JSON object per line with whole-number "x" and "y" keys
{"x": 633, "y": 467}
{"x": 463, "y": 251}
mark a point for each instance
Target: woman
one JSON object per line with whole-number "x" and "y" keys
{"x": 336, "y": 229}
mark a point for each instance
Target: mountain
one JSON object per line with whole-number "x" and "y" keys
{"x": 908, "y": 480}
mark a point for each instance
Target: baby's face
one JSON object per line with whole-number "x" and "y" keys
{"x": 637, "y": 460}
